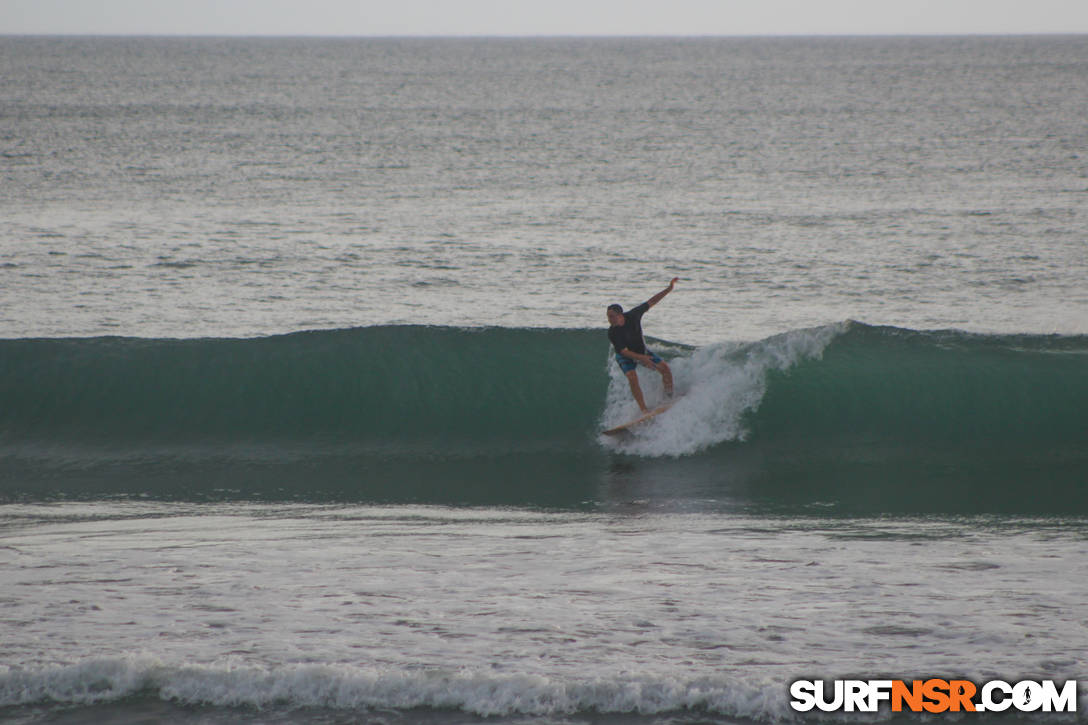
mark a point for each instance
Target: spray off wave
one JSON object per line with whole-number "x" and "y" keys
{"x": 716, "y": 388}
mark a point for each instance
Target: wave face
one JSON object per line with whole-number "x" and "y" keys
{"x": 885, "y": 385}
{"x": 385, "y": 386}
{"x": 511, "y": 416}
{"x": 936, "y": 387}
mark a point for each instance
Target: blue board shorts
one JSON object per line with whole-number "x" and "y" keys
{"x": 627, "y": 364}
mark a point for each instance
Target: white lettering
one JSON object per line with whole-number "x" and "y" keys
{"x": 1064, "y": 701}
{"x": 804, "y": 695}
{"x": 1027, "y": 696}
{"x": 992, "y": 705}
{"x": 821, "y": 697}
{"x": 879, "y": 691}
{"x": 856, "y": 695}
{"x": 993, "y": 696}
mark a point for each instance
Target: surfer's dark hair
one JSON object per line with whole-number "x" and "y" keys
{"x": 615, "y": 308}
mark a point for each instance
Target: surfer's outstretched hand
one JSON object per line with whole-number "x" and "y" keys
{"x": 661, "y": 295}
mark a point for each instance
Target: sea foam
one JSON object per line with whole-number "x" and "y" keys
{"x": 715, "y": 385}
{"x": 355, "y": 687}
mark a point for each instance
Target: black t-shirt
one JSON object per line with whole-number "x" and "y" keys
{"x": 629, "y": 334}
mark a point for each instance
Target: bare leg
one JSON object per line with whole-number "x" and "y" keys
{"x": 666, "y": 378}
{"x": 636, "y": 390}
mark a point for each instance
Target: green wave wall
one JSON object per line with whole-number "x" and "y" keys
{"x": 394, "y": 384}
{"x": 849, "y": 417}
{"x": 890, "y": 384}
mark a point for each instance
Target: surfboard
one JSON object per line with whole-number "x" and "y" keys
{"x": 641, "y": 419}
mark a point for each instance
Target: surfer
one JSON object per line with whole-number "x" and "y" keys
{"x": 625, "y": 334}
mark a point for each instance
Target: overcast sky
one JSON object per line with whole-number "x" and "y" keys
{"x": 541, "y": 17}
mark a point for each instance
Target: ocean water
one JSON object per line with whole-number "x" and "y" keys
{"x": 303, "y": 364}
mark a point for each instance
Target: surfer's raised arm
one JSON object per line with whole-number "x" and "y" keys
{"x": 661, "y": 295}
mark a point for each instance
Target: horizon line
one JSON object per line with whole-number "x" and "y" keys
{"x": 546, "y": 36}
